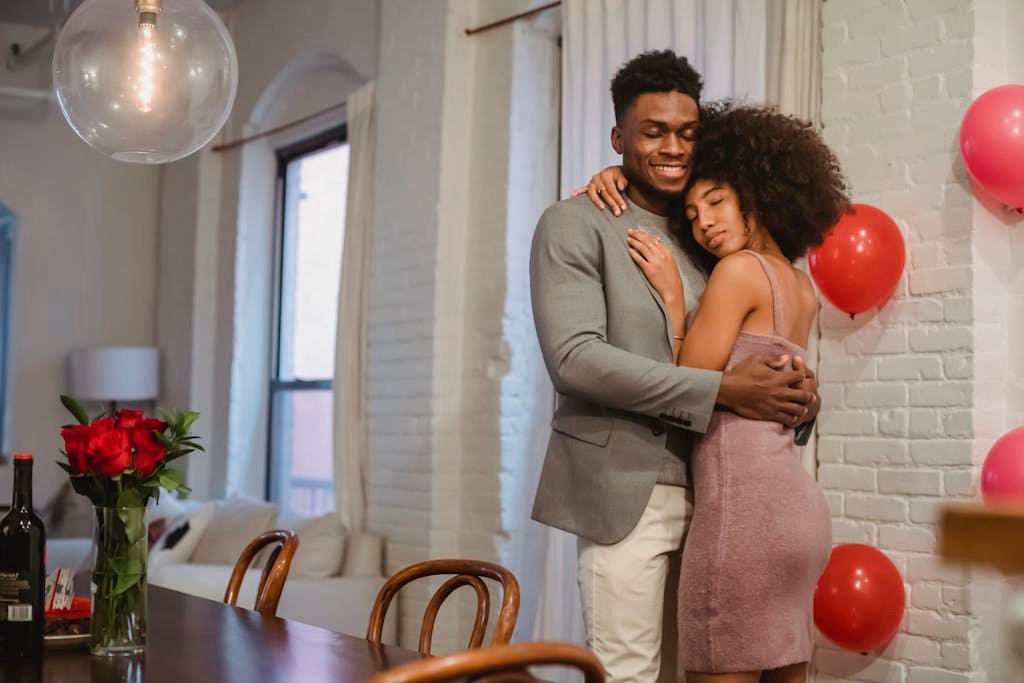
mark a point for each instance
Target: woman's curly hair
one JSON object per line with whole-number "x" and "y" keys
{"x": 784, "y": 174}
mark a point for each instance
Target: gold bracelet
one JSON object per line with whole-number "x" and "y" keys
{"x": 677, "y": 338}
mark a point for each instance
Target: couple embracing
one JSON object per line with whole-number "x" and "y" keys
{"x": 673, "y": 324}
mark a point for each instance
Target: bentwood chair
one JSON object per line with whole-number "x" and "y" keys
{"x": 466, "y": 573}
{"x": 500, "y": 664}
{"x": 275, "y": 571}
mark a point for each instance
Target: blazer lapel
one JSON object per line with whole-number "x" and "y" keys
{"x": 620, "y": 225}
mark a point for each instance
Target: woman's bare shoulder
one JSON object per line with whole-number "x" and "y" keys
{"x": 740, "y": 274}
{"x": 740, "y": 265}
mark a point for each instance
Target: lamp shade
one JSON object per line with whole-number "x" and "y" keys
{"x": 120, "y": 373}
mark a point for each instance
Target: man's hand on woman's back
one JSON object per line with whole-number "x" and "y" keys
{"x": 810, "y": 384}
{"x": 760, "y": 388}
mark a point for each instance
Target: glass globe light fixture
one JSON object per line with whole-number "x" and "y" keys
{"x": 146, "y": 81}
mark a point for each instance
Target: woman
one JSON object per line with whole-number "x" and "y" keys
{"x": 763, "y": 188}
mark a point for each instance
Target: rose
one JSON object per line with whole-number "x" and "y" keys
{"x": 149, "y": 452}
{"x": 148, "y": 457}
{"x": 75, "y": 445}
{"x": 110, "y": 454}
{"x": 127, "y": 419}
{"x": 97, "y": 448}
{"x": 106, "y": 446}
{"x": 141, "y": 434}
{"x": 129, "y": 447}
{"x": 108, "y": 449}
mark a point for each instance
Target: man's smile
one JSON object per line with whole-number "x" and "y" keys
{"x": 674, "y": 170}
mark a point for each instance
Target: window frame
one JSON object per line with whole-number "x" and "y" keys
{"x": 336, "y": 135}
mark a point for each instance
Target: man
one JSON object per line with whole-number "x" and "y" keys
{"x": 615, "y": 472}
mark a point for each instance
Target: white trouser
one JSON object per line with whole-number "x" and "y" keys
{"x": 624, "y": 590}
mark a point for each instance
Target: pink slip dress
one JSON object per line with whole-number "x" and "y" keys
{"x": 759, "y": 539}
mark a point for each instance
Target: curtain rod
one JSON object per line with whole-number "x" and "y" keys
{"x": 225, "y": 146}
{"x": 514, "y": 17}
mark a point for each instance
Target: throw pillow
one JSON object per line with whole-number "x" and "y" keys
{"x": 156, "y": 529}
{"x": 177, "y": 545}
{"x": 363, "y": 555}
{"x": 170, "y": 507}
{"x": 321, "y": 545}
{"x": 235, "y": 523}
{"x": 162, "y": 516}
{"x": 179, "y": 532}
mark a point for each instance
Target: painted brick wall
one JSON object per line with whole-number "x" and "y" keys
{"x": 907, "y": 410}
{"x": 463, "y": 173}
{"x": 400, "y": 300}
{"x": 915, "y": 393}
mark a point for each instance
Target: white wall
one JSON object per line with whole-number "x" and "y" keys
{"x": 915, "y": 393}
{"x": 85, "y": 263}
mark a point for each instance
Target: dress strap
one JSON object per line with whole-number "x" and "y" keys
{"x": 773, "y": 283}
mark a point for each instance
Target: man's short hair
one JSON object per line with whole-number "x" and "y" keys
{"x": 653, "y": 71}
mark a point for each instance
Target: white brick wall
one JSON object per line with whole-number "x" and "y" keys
{"x": 899, "y": 384}
{"x": 451, "y": 371}
{"x": 403, "y": 256}
{"x": 455, "y": 380}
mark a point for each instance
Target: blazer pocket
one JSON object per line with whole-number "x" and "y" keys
{"x": 593, "y": 429}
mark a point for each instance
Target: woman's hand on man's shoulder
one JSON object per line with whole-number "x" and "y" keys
{"x": 605, "y": 189}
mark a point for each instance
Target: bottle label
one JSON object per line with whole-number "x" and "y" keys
{"x": 15, "y": 596}
{"x": 19, "y": 613}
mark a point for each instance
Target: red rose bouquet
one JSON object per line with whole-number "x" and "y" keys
{"x": 120, "y": 461}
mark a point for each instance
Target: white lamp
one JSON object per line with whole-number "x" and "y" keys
{"x": 120, "y": 373}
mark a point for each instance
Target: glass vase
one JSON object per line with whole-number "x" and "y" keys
{"x": 119, "y": 582}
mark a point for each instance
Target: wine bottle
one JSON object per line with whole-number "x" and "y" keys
{"x": 22, "y": 574}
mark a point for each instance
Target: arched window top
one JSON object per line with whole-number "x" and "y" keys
{"x": 310, "y": 83}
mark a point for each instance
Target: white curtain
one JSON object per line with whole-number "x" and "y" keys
{"x": 794, "y": 84}
{"x": 350, "y": 352}
{"x": 727, "y": 41}
{"x": 757, "y": 50}
{"x": 794, "y": 64}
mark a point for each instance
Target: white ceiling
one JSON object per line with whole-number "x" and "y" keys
{"x": 39, "y": 11}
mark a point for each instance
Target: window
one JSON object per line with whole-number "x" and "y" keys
{"x": 312, "y": 184}
{"x": 6, "y": 247}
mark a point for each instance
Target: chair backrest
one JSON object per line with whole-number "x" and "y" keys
{"x": 466, "y": 573}
{"x": 499, "y": 664}
{"x": 275, "y": 571}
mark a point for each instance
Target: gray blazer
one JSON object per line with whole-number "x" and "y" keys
{"x": 607, "y": 343}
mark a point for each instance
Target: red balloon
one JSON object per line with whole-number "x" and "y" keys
{"x": 992, "y": 143}
{"x": 1002, "y": 475}
{"x": 859, "y": 600}
{"x": 860, "y": 262}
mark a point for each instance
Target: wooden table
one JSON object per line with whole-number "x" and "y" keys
{"x": 191, "y": 639}
{"x": 990, "y": 535}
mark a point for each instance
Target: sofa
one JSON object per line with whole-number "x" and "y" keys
{"x": 333, "y": 581}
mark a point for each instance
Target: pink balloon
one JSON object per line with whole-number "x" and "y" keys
{"x": 992, "y": 143}
{"x": 1002, "y": 475}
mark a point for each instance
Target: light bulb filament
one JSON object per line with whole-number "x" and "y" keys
{"x": 147, "y": 61}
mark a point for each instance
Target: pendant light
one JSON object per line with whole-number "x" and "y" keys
{"x": 145, "y": 81}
